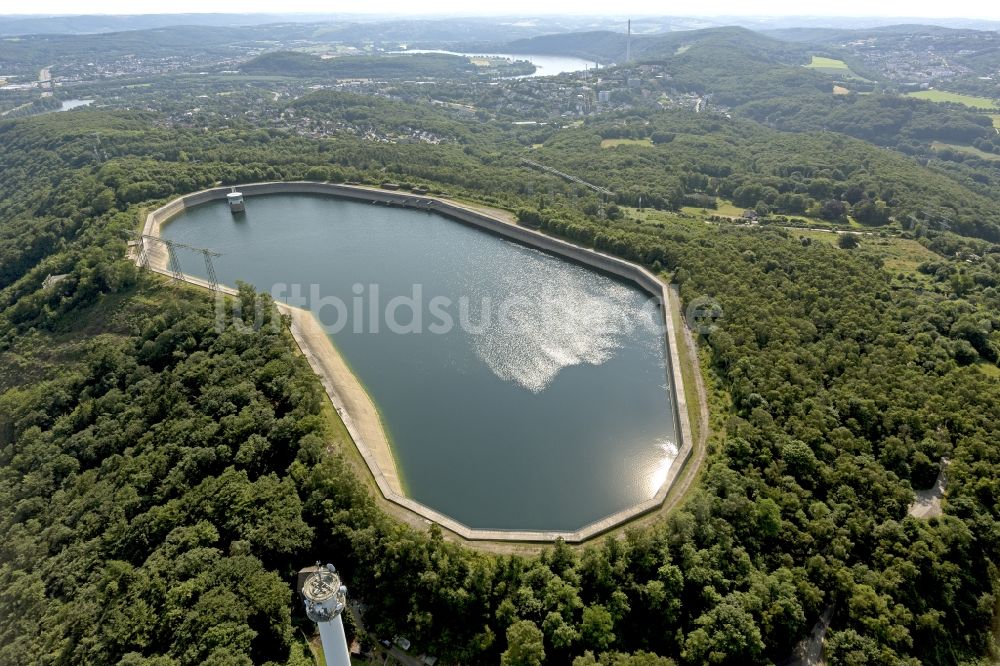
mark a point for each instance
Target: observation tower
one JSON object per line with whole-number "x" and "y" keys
{"x": 325, "y": 599}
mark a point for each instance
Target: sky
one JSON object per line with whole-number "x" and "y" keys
{"x": 981, "y": 9}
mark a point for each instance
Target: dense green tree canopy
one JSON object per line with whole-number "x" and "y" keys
{"x": 161, "y": 479}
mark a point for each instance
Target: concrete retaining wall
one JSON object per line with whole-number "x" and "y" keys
{"x": 604, "y": 262}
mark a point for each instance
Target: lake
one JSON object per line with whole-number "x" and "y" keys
{"x": 545, "y": 65}
{"x": 545, "y": 406}
{"x": 70, "y": 104}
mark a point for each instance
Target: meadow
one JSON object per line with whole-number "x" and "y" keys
{"x": 612, "y": 143}
{"x": 819, "y": 62}
{"x": 956, "y": 98}
{"x": 833, "y": 67}
{"x": 968, "y": 150}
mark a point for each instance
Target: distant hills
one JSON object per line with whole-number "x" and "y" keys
{"x": 609, "y": 47}
{"x": 92, "y": 24}
{"x": 416, "y": 66}
{"x": 600, "y": 45}
{"x": 456, "y": 28}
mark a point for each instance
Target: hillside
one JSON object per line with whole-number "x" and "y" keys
{"x": 182, "y": 471}
{"x": 169, "y": 459}
{"x": 609, "y": 47}
{"x": 410, "y": 66}
{"x": 735, "y": 65}
{"x": 600, "y": 45}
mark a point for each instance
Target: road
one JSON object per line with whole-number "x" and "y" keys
{"x": 16, "y": 108}
{"x": 45, "y": 81}
{"x": 679, "y": 492}
{"x": 809, "y": 651}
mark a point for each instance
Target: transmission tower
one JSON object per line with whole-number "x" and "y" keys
{"x": 213, "y": 283}
{"x": 173, "y": 261}
{"x": 143, "y": 258}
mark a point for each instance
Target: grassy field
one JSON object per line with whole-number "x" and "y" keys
{"x": 996, "y": 121}
{"x": 988, "y": 369}
{"x": 661, "y": 217}
{"x": 968, "y": 150}
{"x": 819, "y": 62}
{"x": 898, "y": 255}
{"x": 611, "y": 143}
{"x": 723, "y": 207}
{"x": 833, "y": 67}
{"x": 727, "y": 209}
{"x": 956, "y": 98}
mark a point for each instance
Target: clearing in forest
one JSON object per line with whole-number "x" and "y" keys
{"x": 955, "y": 98}
{"x": 834, "y": 67}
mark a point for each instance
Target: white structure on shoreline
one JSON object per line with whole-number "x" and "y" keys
{"x": 235, "y": 199}
{"x": 325, "y": 599}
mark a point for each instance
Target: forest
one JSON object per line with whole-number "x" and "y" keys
{"x": 419, "y": 65}
{"x": 162, "y": 480}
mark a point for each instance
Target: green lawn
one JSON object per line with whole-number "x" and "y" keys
{"x": 969, "y": 150}
{"x": 956, "y": 98}
{"x": 996, "y": 121}
{"x": 611, "y": 143}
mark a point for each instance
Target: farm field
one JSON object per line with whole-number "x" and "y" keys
{"x": 955, "y": 98}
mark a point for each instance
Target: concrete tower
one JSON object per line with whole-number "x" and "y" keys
{"x": 628, "y": 43}
{"x": 325, "y": 599}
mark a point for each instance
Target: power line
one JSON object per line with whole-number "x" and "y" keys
{"x": 173, "y": 261}
{"x": 573, "y": 179}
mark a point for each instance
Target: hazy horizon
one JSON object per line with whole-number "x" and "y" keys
{"x": 848, "y": 9}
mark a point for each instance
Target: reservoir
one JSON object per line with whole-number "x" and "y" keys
{"x": 546, "y": 404}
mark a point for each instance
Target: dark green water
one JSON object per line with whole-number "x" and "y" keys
{"x": 552, "y": 412}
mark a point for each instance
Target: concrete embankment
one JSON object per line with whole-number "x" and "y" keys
{"x": 356, "y": 407}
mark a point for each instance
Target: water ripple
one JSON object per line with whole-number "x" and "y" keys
{"x": 565, "y": 318}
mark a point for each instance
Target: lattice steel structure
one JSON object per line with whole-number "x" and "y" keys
{"x": 173, "y": 261}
